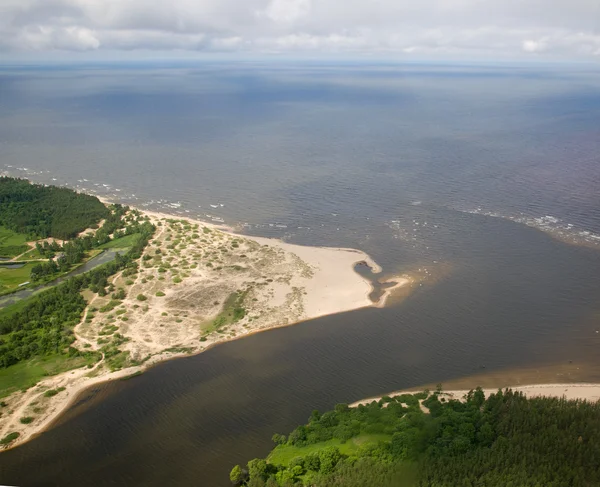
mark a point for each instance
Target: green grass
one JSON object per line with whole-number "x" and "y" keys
{"x": 231, "y": 313}
{"x": 12, "y": 243}
{"x": 18, "y": 306}
{"x": 282, "y": 454}
{"x": 33, "y": 254}
{"x": 28, "y": 373}
{"x": 11, "y": 278}
{"x": 122, "y": 243}
{"x": 53, "y": 392}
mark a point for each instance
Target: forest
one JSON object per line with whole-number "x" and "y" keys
{"x": 505, "y": 440}
{"x": 43, "y": 324}
{"x": 75, "y": 250}
{"x": 47, "y": 211}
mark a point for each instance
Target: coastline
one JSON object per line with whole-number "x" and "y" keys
{"x": 329, "y": 285}
{"x": 586, "y": 391}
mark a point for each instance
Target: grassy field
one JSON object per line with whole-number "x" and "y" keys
{"x": 33, "y": 254}
{"x": 282, "y": 454}
{"x": 26, "y": 374}
{"x": 122, "y": 243}
{"x": 11, "y": 278}
{"x": 12, "y": 243}
{"x": 13, "y": 308}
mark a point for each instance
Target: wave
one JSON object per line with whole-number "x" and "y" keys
{"x": 553, "y": 225}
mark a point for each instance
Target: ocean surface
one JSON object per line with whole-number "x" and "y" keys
{"x": 484, "y": 181}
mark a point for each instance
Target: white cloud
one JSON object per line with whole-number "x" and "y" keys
{"x": 562, "y": 29}
{"x": 286, "y": 11}
{"x": 534, "y": 46}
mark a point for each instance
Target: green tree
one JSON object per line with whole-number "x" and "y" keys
{"x": 257, "y": 468}
{"x": 236, "y": 475}
{"x": 279, "y": 439}
{"x": 329, "y": 457}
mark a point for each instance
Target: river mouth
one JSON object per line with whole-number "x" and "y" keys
{"x": 207, "y": 412}
{"x": 414, "y": 165}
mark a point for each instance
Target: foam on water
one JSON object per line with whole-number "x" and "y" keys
{"x": 547, "y": 223}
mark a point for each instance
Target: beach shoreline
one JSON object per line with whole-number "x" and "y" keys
{"x": 330, "y": 285}
{"x": 571, "y": 391}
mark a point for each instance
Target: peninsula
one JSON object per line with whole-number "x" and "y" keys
{"x": 189, "y": 286}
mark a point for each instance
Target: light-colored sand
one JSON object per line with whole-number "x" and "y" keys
{"x": 333, "y": 286}
{"x": 199, "y": 267}
{"x": 589, "y": 392}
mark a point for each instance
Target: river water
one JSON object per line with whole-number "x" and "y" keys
{"x": 482, "y": 180}
{"x": 102, "y": 258}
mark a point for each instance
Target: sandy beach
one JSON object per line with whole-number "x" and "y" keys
{"x": 189, "y": 274}
{"x": 589, "y": 392}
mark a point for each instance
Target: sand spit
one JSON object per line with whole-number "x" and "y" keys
{"x": 589, "y": 392}
{"x": 198, "y": 285}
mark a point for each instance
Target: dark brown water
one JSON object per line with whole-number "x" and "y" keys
{"x": 397, "y": 161}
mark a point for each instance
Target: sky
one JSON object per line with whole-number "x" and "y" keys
{"x": 567, "y": 30}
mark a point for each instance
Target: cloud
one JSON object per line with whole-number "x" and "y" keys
{"x": 286, "y": 11}
{"x": 534, "y": 46}
{"x": 561, "y": 29}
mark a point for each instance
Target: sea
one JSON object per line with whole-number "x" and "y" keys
{"x": 480, "y": 180}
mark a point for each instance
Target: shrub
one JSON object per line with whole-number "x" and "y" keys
{"x": 160, "y": 294}
{"x": 53, "y": 392}
{"x": 9, "y": 438}
{"x": 141, "y": 297}
{"x": 26, "y": 419}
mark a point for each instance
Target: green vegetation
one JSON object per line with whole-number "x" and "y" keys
{"x": 26, "y": 419}
{"x": 39, "y": 329}
{"x": 12, "y": 243}
{"x": 232, "y": 312}
{"x": 131, "y": 376}
{"x": 32, "y": 254}
{"x": 112, "y": 304}
{"x": 53, "y": 392}
{"x": 9, "y": 438}
{"x": 115, "y": 358}
{"x": 122, "y": 243}
{"x": 284, "y": 454}
{"x": 47, "y": 211}
{"x": 26, "y": 374}
{"x": 504, "y": 440}
{"x": 179, "y": 349}
{"x": 44, "y": 325}
{"x": 10, "y": 278}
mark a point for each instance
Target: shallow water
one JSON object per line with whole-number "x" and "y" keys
{"x": 422, "y": 167}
